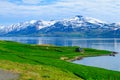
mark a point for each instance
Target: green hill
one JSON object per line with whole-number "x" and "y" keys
{"x": 45, "y": 62}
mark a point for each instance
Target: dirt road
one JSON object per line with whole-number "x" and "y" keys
{"x": 6, "y": 75}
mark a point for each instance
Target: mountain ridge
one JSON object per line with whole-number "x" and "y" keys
{"x": 78, "y": 26}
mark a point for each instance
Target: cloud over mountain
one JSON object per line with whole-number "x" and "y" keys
{"x": 12, "y": 11}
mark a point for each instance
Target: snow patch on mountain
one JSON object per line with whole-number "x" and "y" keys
{"x": 32, "y": 21}
{"x": 43, "y": 24}
{"x": 93, "y": 20}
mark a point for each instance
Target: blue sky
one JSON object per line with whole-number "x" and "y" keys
{"x": 13, "y": 11}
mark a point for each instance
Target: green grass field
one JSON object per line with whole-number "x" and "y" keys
{"x": 43, "y": 62}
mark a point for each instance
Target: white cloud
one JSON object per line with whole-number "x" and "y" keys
{"x": 31, "y": 1}
{"x": 101, "y": 9}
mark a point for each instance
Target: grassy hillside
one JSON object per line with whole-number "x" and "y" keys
{"x": 37, "y": 72}
{"x": 42, "y": 62}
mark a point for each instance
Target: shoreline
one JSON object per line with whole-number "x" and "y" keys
{"x": 113, "y": 53}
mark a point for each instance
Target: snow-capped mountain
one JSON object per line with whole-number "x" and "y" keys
{"x": 37, "y": 24}
{"x": 79, "y": 21}
{"x": 77, "y": 26}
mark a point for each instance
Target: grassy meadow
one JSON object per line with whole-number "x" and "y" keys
{"x": 45, "y": 62}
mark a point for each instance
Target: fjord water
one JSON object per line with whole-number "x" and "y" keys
{"x": 107, "y": 62}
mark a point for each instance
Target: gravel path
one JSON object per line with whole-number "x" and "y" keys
{"x": 6, "y": 75}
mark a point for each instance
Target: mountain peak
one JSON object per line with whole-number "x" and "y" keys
{"x": 87, "y": 19}
{"x": 79, "y": 16}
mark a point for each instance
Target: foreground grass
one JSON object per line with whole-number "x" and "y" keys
{"x": 37, "y": 72}
{"x": 49, "y": 58}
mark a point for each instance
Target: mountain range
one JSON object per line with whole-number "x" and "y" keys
{"x": 78, "y": 26}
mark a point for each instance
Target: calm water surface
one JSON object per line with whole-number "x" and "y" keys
{"x": 108, "y": 62}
